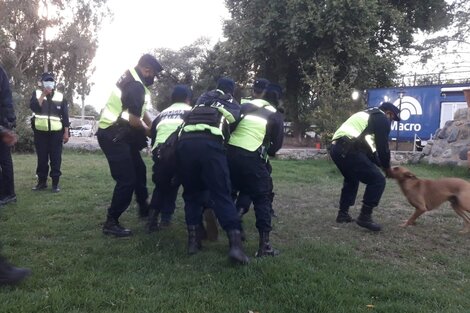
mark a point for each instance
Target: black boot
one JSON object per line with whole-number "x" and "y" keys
{"x": 236, "y": 253}
{"x": 265, "y": 248}
{"x": 365, "y": 219}
{"x": 343, "y": 216}
{"x": 112, "y": 227}
{"x": 194, "y": 240}
{"x": 10, "y": 275}
{"x": 55, "y": 184}
{"x": 41, "y": 185}
{"x": 211, "y": 225}
{"x": 152, "y": 224}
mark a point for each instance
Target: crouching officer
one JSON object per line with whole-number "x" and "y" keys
{"x": 50, "y": 123}
{"x": 259, "y": 133}
{"x": 202, "y": 165}
{"x": 123, "y": 129}
{"x": 166, "y": 186}
{"x": 359, "y": 148}
{"x": 243, "y": 201}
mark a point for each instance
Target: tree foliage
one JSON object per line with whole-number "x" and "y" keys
{"x": 53, "y": 35}
{"x": 436, "y": 49}
{"x": 303, "y": 43}
{"x": 48, "y": 35}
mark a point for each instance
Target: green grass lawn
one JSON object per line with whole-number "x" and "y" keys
{"x": 323, "y": 266}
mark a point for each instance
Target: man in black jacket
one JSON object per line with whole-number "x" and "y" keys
{"x": 259, "y": 133}
{"x": 123, "y": 129}
{"x": 202, "y": 166}
{"x": 359, "y": 148}
{"x": 8, "y": 274}
{"x": 51, "y": 130}
{"x": 7, "y": 121}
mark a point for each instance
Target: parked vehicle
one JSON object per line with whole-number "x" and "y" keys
{"x": 82, "y": 131}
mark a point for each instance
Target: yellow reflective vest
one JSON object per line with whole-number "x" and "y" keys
{"x": 113, "y": 108}
{"x": 49, "y": 119}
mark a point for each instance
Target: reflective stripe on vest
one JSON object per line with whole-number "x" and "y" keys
{"x": 171, "y": 118}
{"x": 353, "y": 128}
{"x": 113, "y": 106}
{"x": 44, "y": 122}
{"x": 251, "y": 130}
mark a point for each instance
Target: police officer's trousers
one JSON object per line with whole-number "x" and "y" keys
{"x": 48, "y": 149}
{"x": 202, "y": 166}
{"x": 127, "y": 169}
{"x": 165, "y": 191}
{"x": 7, "y": 182}
{"x": 250, "y": 175}
{"x": 356, "y": 167}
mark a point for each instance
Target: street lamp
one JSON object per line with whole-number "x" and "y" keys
{"x": 355, "y": 95}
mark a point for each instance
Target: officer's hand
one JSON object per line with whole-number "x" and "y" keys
{"x": 65, "y": 138}
{"x": 9, "y": 137}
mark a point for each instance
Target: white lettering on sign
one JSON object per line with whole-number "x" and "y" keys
{"x": 406, "y": 127}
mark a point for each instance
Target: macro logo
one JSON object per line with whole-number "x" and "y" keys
{"x": 409, "y": 106}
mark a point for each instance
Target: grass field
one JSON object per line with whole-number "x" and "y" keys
{"x": 323, "y": 266}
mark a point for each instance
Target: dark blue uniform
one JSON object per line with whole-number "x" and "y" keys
{"x": 122, "y": 146}
{"x": 202, "y": 167}
{"x": 7, "y": 120}
{"x": 48, "y": 144}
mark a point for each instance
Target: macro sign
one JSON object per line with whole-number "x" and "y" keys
{"x": 419, "y": 109}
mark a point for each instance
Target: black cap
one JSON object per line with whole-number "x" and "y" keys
{"x": 226, "y": 84}
{"x": 181, "y": 93}
{"x": 260, "y": 84}
{"x": 47, "y": 76}
{"x": 148, "y": 60}
{"x": 275, "y": 88}
{"x": 388, "y": 106}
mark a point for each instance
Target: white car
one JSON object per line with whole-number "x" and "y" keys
{"x": 82, "y": 131}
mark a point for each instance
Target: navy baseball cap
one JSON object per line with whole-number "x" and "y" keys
{"x": 47, "y": 76}
{"x": 271, "y": 87}
{"x": 388, "y": 106}
{"x": 226, "y": 84}
{"x": 181, "y": 93}
{"x": 148, "y": 60}
{"x": 260, "y": 84}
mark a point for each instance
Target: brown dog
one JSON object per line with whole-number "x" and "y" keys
{"x": 426, "y": 194}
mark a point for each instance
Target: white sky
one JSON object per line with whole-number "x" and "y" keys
{"x": 140, "y": 26}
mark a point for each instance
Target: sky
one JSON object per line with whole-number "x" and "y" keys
{"x": 140, "y": 26}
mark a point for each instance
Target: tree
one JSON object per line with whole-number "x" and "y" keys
{"x": 181, "y": 67}
{"x": 68, "y": 50}
{"x": 444, "y": 51}
{"x": 298, "y": 42}
{"x": 52, "y": 35}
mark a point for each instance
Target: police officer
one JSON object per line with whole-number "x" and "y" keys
{"x": 166, "y": 186}
{"x": 259, "y": 133}
{"x": 359, "y": 147}
{"x": 50, "y": 124}
{"x": 9, "y": 274}
{"x": 8, "y": 122}
{"x": 202, "y": 166}
{"x": 243, "y": 200}
{"x": 123, "y": 129}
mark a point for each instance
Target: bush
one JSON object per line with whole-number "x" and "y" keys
{"x": 23, "y": 125}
